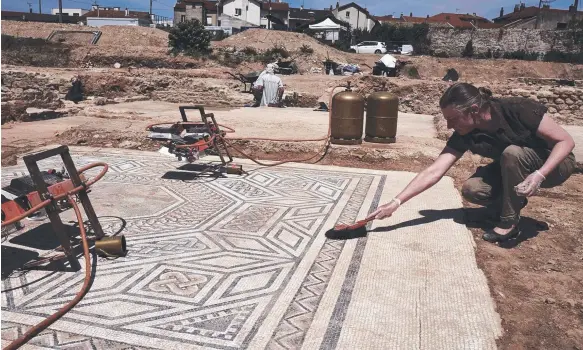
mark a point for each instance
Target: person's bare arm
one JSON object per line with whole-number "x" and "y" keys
{"x": 558, "y": 139}
{"x": 561, "y": 144}
{"x": 424, "y": 180}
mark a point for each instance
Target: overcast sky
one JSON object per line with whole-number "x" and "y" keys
{"x": 421, "y": 8}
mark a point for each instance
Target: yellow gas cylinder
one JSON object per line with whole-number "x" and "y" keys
{"x": 382, "y": 110}
{"x": 347, "y": 117}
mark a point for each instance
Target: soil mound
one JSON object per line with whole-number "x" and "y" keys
{"x": 111, "y": 35}
{"x": 298, "y": 45}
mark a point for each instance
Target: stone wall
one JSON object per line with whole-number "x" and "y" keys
{"x": 23, "y": 91}
{"x": 451, "y": 41}
{"x": 565, "y": 104}
{"x": 33, "y": 96}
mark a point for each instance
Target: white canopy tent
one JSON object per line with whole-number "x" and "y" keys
{"x": 328, "y": 28}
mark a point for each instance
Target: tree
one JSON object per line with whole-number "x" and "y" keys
{"x": 189, "y": 37}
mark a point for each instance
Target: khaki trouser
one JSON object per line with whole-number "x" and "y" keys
{"x": 493, "y": 185}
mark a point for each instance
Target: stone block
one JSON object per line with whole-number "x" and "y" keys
{"x": 566, "y": 90}
{"x": 559, "y": 101}
{"x": 552, "y": 110}
{"x": 545, "y": 94}
{"x": 569, "y": 101}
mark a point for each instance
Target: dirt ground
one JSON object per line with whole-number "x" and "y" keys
{"x": 536, "y": 281}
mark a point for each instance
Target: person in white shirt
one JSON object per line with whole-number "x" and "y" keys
{"x": 271, "y": 87}
{"x": 388, "y": 64}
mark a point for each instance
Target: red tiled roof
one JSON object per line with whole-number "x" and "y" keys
{"x": 463, "y": 20}
{"x": 386, "y": 18}
{"x": 116, "y": 14}
{"x": 210, "y": 6}
{"x": 275, "y": 6}
{"x": 420, "y": 20}
{"x": 408, "y": 19}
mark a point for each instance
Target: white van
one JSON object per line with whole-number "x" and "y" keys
{"x": 407, "y": 50}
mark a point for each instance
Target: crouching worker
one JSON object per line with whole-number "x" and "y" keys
{"x": 387, "y": 65}
{"x": 528, "y": 151}
{"x": 270, "y": 87}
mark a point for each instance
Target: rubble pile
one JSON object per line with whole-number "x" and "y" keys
{"x": 28, "y": 97}
{"x": 415, "y": 96}
{"x": 34, "y": 96}
{"x": 297, "y": 44}
{"x": 493, "y": 70}
{"x": 565, "y": 103}
{"x": 164, "y": 87}
{"x": 126, "y": 36}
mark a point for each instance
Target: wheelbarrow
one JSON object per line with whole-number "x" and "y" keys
{"x": 249, "y": 78}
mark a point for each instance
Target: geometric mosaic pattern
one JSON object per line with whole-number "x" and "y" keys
{"x": 212, "y": 263}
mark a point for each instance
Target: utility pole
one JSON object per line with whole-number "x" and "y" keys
{"x": 540, "y": 3}
{"x": 60, "y": 11}
{"x": 150, "y": 8}
{"x": 269, "y": 16}
{"x": 39, "y": 7}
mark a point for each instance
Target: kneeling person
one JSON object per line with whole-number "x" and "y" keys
{"x": 271, "y": 87}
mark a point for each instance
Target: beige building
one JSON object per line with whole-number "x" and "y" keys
{"x": 355, "y": 15}
{"x": 203, "y": 10}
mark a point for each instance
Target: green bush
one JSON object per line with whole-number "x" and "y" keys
{"x": 277, "y": 51}
{"x": 190, "y": 38}
{"x": 521, "y": 55}
{"x": 249, "y": 51}
{"x": 413, "y": 73}
{"x": 440, "y": 54}
{"x": 564, "y": 57}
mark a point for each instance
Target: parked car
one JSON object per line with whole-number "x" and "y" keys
{"x": 369, "y": 47}
{"x": 407, "y": 50}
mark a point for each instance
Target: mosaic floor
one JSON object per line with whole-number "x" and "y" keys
{"x": 242, "y": 262}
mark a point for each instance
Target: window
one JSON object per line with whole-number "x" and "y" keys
{"x": 237, "y": 12}
{"x": 447, "y": 18}
{"x": 347, "y": 14}
{"x": 561, "y": 25}
{"x": 76, "y": 14}
{"x": 182, "y": 18}
{"x": 209, "y": 21}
